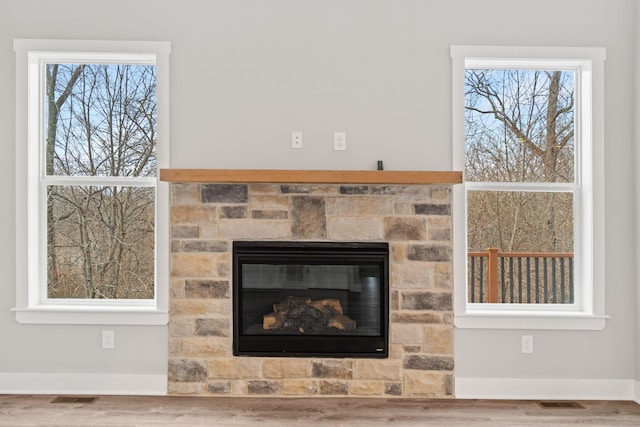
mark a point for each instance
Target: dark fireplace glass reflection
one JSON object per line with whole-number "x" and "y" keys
{"x": 311, "y": 298}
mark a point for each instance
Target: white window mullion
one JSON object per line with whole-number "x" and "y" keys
{"x": 111, "y": 181}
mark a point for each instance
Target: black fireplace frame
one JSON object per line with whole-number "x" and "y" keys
{"x": 339, "y": 346}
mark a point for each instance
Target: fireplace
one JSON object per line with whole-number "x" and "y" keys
{"x": 206, "y": 357}
{"x": 305, "y": 299}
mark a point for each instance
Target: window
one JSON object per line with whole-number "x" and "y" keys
{"x": 92, "y": 128}
{"x": 528, "y": 134}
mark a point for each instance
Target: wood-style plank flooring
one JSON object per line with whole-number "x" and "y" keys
{"x": 120, "y": 411}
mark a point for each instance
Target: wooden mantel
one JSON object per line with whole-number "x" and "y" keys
{"x": 310, "y": 176}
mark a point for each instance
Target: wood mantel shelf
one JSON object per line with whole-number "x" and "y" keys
{"x": 310, "y": 176}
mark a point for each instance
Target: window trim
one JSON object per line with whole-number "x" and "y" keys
{"x": 588, "y": 313}
{"x": 31, "y": 305}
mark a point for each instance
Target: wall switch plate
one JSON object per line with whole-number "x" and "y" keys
{"x": 340, "y": 141}
{"x": 527, "y": 344}
{"x": 108, "y": 339}
{"x": 296, "y": 139}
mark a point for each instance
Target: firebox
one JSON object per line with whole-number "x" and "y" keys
{"x": 304, "y": 299}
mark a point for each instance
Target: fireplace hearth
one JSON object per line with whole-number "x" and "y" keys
{"x": 307, "y": 299}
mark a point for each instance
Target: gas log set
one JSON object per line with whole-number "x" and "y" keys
{"x": 304, "y": 315}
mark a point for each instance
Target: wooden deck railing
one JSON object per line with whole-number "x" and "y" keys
{"x": 520, "y": 277}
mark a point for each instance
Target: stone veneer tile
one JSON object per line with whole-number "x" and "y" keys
{"x": 415, "y": 275}
{"x": 360, "y": 205}
{"x": 186, "y": 388}
{"x": 185, "y": 231}
{"x": 225, "y": 193}
{"x": 205, "y": 347}
{"x": 269, "y": 214}
{"x": 354, "y": 189}
{"x": 433, "y": 209}
{"x": 447, "y": 318}
{"x": 393, "y": 389}
{"x": 438, "y": 339}
{"x": 334, "y": 388}
{"x": 412, "y": 317}
{"x": 207, "y": 288}
{"x": 185, "y": 194}
{"x": 193, "y": 215}
{"x": 429, "y": 253}
{"x": 407, "y": 333}
{"x": 366, "y": 388}
{"x": 194, "y": 264}
{"x": 175, "y": 347}
{"x": 213, "y": 327}
{"x": 286, "y": 368}
{"x": 308, "y": 220}
{"x": 219, "y": 387}
{"x": 198, "y": 307}
{"x": 295, "y": 189}
{"x": 299, "y": 387}
{"x": 264, "y": 189}
{"x": 426, "y": 301}
{"x": 384, "y": 190}
{"x": 187, "y": 370}
{"x": 342, "y": 369}
{"x": 440, "y": 234}
{"x": 368, "y": 369}
{"x": 355, "y": 228}
{"x": 234, "y": 212}
{"x": 395, "y": 301}
{"x": 412, "y": 349}
{"x": 176, "y": 288}
{"x": 263, "y": 387}
{"x": 424, "y": 384}
{"x": 204, "y": 246}
{"x": 404, "y": 228}
{"x": 263, "y": 229}
{"x": 440, "y": 193}
{"x": 181, "y": 326}
{"x": 428, "y": 363}
{"x": 413, "y": 194}
{"x": 208, "y": 232}
{"x": 234, "y": 368}
{"x": 270, "y": 202}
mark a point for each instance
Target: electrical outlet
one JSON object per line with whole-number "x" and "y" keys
{"x": 108, "y": 339}
{"x": 527, "y": 344}
{"x": 340, "y": 141}
{"x": 296, "y": 139}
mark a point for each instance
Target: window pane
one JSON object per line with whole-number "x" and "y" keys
{"x": 100, "y": 242}
{"x": 100, "y": 120}
{"x": 532, "y": 237}
{"x": 519, "y": 125}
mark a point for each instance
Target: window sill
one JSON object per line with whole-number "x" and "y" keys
{"x": 528, "y": 320}
{"x": 73, "y": 315}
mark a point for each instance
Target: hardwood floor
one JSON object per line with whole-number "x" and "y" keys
{"x": 130, "y": 411}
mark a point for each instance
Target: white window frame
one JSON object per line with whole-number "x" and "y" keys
{"x": 32, "y": 304}
{"x": 588, "y": 311}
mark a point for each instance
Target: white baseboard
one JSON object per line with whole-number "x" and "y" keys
{"x": 546, "y": 389}
{"x": 82, "y": 384}
{"x": 636, "y": 392}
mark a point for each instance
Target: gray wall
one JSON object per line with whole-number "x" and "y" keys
{"x": 637, "y": 140}
{"x": 247, "y": 73}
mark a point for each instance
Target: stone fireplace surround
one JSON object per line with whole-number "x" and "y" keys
{"x": 208, "y": 211}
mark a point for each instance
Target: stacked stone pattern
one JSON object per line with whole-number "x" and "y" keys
{"x": 415, "y": 220}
